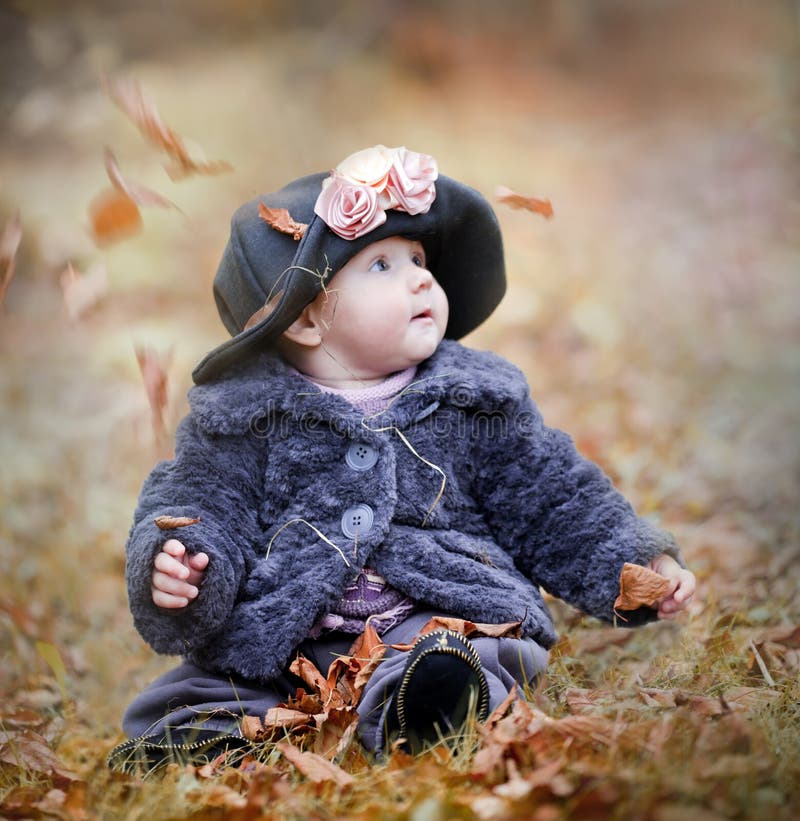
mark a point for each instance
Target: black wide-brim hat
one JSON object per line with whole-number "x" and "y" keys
{"x": 459, "y": 232}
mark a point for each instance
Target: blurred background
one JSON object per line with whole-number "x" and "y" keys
{"x": 656, "y": 314}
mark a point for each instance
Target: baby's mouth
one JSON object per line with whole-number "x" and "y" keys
{"x": 426, "y": 314}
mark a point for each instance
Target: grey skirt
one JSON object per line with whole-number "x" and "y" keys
{"x": 189, "y": 696}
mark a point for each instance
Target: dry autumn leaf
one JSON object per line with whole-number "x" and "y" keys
{"x": 281, "y": 220}
{"x": 506, "y": 196}
{"x": 314, "y": 767}
{"x": 512, "y": 629}
{"x": 153, "y": 367}
{"x": 114, "y": 216}
{"x": 129, "y": 98}
{"x": 639, "y": 587}
{"x": 9, "y": 243}
{"x": 81, "y": 292}
{"x": 138, "y": 193}
{"x": 174, "y": 522}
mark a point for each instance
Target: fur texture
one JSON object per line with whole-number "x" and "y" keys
{"x": 261, "y": 460}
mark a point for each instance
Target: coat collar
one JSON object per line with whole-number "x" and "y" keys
{"x": 454, "y": 375}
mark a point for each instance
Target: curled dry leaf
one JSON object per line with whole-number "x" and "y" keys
{"x": 153, "y": 367}
{"x": 512, "y": 629}
{"x": 81, "y": 292}
{"x": 138, "y": 193}
{"x": 128, "y": 96}
{"x": 639, "y": 587}
{"x": 174, "y": 522}
{"x": 281, "y": 220}
{"x": 508, "y": 197}
{"x": 9, "y": 243}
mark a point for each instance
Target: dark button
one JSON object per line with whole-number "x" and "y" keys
{"x": 361, "y": 456}
{"x": 357, "y": 521}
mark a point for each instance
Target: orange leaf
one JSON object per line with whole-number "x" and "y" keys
{"x": 9, "y": 242}
{"x": 174, "y": 522}
{"x": 81, "y": 292}
{"x": 307, "y": 670}
{"x": 128, "y": 96}
{"x": 509, "y": 197}
{"x": 349, "y": 674}
{"x": 114, "y": 216}
{"x": 314, "y": 767}
{"x": 639, "y": 587}
{"x": 153, "y": 367}
{"x": 281, "y": 220}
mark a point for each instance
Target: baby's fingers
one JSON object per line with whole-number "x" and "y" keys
{"x": 170, "y": 592}
{"x": 170, "y": 566}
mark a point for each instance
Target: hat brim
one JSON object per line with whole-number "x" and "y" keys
{"x": 460, "y": 234}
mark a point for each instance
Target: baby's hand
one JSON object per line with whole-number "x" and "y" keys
{"x": 681, "y": 588}
{"x": 176, "y": 575}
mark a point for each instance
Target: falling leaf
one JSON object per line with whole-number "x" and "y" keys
{"x": 138, "y": 193}
{"x": 9, "y": 243}
{"x": 314, "y": 767}
{"x": 153, "y": 367}
{"x": 281, "y": 220}
{"x": 129, "y": 98}
{"x": 508, "y": 197}
{"x": 174, "y": 522}
{"x": 81, "y": 292}
{"x": 639, "y": 587}
{"x": 114, "y": 217}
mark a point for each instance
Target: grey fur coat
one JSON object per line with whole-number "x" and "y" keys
{"x": 296, "y": 491}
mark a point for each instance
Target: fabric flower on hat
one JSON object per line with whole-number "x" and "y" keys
{"x": 355, "y": 198}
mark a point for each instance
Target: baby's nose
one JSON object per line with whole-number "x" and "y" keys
{"x": 421, "y": 278}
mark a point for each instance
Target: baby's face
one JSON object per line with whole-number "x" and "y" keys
{"x": 383, "y": 311}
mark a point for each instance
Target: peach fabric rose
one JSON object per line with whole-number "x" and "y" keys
{"x": 355, "y": 198}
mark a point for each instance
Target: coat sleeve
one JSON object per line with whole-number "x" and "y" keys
{"x": 216, "y": 481}
{"x": 559, "y": 516}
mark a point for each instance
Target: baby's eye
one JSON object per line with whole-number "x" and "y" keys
{"x": 379, "y": 265}
{"x": 418, "y": 260}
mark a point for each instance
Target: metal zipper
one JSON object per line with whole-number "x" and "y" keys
{"x": 123, "y": 757}
{"x": 471, "y": 658}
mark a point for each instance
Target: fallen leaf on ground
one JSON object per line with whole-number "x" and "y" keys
{"x": 508, "y": 197}
{"x": 9, "y": 243}
{"x": 81, "y": 292}
{"x": 313, "y": 766}
{"x": 281, "y": 220}
{"x": 129, "y": 98}
{"x": 174, "y": 522}
{"x": 639, "y": 587}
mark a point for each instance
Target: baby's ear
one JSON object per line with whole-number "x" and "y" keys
{"x": 306, "y": 330}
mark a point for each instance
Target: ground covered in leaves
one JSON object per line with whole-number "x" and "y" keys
{"x": 655, "y": 315}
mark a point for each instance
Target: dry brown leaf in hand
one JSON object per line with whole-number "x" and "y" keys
{"x": 639, "y": 587}
{"x": 174, "y": 522}
{"x": 9, "y": 243}
{"x": 128, "y": 96}
{"x": 153, "y": 367}
{"x": 81, "y": 292}
{"x": 508, "y": 197}
{"x": 114, "y": 216}
{"x": 281, "y": 220}
{"x": 138, "y": 193}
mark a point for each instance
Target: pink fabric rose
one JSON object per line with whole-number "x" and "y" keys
{"x": 370, "y": 167}
{"x": 349, "y": 209}
{"x": 412, "y": 180}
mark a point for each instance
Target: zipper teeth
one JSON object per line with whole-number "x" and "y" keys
{"x": 469, "y": 656}
{"x": 132, "y": 744}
